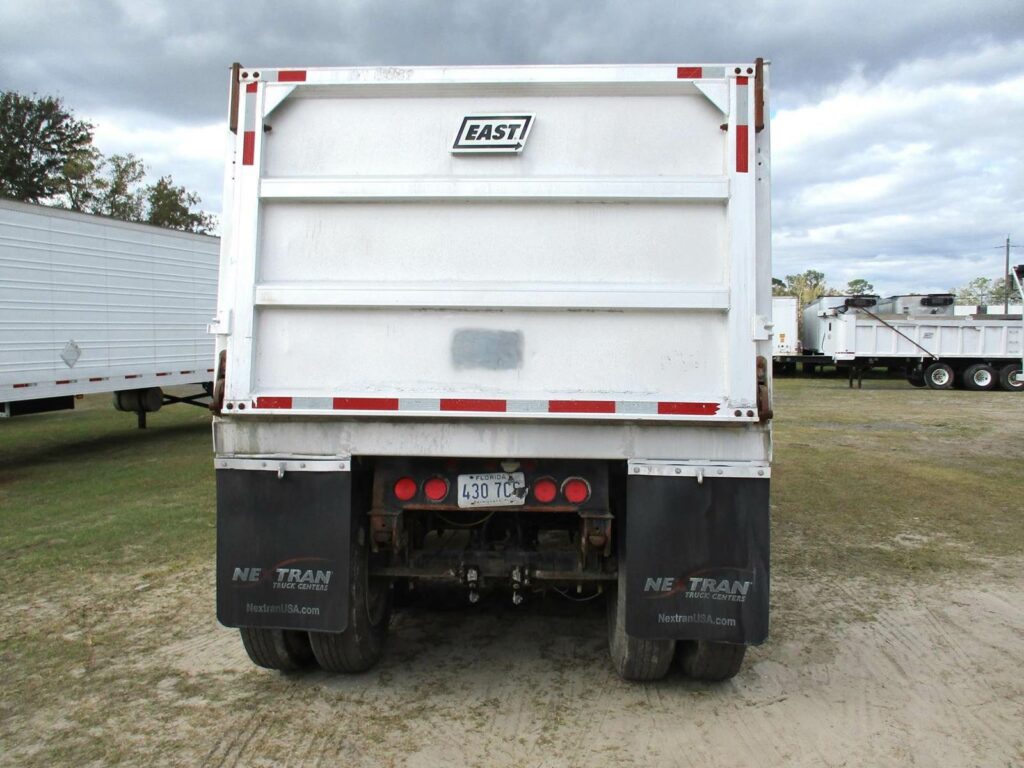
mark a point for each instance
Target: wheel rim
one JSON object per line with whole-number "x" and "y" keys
{"x": 1013, "y": 381}
{"x": 983, "y": 378}
{"x": 940, "y": 377}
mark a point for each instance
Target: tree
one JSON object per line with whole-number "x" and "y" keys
{"x": 118, "y": 193}
{"x": 38, "y": 140}
{"x": 778, "y": 287}
{"x": 983, "y": 291}
{"x": 808, "y": 286}
{"x": 859, "y": 287}
{"x": 81, "y": 180}
{"x": 171, "y": 206}
{"x": 978, "y": 291}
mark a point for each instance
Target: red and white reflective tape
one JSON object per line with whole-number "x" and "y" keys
{"x": 97, "y": 379}
{"x": 249, "y": 121}
{"x": 742, "y": 126}
{"x": 699, "y": 73}
{"x": 478, "y": 405}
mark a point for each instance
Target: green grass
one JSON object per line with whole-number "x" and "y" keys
{"x": 895, "y": 480}
{"x": 87, "y": 492}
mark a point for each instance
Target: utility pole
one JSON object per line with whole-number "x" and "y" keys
{"x": 1006, "y": 279}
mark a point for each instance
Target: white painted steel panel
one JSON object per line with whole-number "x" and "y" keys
{"x": 646, "y": 244}
{"x": 133, "y": 299}
{"x": 592, "y": 439}
{"x": 574, "y": 136}
{"x": 784, "y": 332}
{"x": 624, "y": 246}
{"x": 679, "y": 351}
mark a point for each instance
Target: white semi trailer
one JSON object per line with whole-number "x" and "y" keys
{"x": 506, "y": 327}
{"x": 91, "y": 304}
{"x": 785, "y": 327}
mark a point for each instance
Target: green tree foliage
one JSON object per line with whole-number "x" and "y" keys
{"x": 119, "y": 191}
{"x": 807, "y": 287}
{"x": 46, "y": 155}
{"x": 39, "y": 138}
{"x": 982, "y": 290}
{"x": 172, "y": 206}
{"x": 859, "y": 287}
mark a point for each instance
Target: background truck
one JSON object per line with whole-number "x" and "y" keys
{"x": 504, "y": 327}
{"x": 91, "y": 304}
{"x": 922, "y": 334}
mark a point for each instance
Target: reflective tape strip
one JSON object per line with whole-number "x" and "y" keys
{"x": 698, "y": 73}
{"x": 488, "y": 405}
{"x": 249, "y": 125}
{"x": 742, "y": 126}
{"x": 291, "y": 76}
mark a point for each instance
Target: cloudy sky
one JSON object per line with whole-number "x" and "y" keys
{"x": 898, "y": 127}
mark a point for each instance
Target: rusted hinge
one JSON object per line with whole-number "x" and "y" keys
{"x": 758, "y": 95}
{"x": 235, "y": 88}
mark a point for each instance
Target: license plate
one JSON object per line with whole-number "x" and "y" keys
{"x": 497, "y": 489}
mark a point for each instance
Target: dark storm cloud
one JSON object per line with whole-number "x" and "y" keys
{"x": 897, "y": 126}
{"x": 170, "y": 57}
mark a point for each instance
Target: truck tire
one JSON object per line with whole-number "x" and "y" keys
{"x": 709, "y": 661}
{"x": 281, "y": 649}
{"x": 979, "y": 377}
{"x": 633, "y": 658}
{"x": 938, "y": 376}
{"x": 360, "y": 646}
{"x": 1006, "y": 382}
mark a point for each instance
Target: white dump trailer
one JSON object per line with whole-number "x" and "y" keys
{"x": 91, "y": 304}
{"x": 496, "y": 326}
{"x": 938, "y": 351}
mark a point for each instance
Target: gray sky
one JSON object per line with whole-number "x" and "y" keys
{"x": 898, "y": 128}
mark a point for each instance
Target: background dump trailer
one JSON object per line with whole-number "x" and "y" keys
{"x": 90, "y": 304}
{"x": 506, "y": 327}
{"x": 938, "y": 351}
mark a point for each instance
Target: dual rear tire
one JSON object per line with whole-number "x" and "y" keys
{"x": 356, "y": 649}
{"x": 641, "y": 660}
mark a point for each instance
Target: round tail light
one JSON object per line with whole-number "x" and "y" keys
{"x": 545, "y": 490}
{"x": 405, "y": 488}
{"x": 436, "y": 488}
{"x": 576, "y": 490}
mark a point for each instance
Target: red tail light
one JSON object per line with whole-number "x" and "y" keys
{"x": 545, "y": 490}
{"x": 576, "y": 490}
{"x": 436, "y": 488}
{"x": 405, "y": 488}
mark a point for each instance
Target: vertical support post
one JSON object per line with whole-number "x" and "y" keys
{"x": 142, "y": 419}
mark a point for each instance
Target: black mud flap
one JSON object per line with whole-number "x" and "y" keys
{"x": 283, "y": 549}
{"x": 696, "y": 559}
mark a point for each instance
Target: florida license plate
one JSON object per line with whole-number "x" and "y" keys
{"x": 496, "y": 489}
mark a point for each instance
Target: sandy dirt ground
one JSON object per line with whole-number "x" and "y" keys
{"x": 854, "y": 676}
